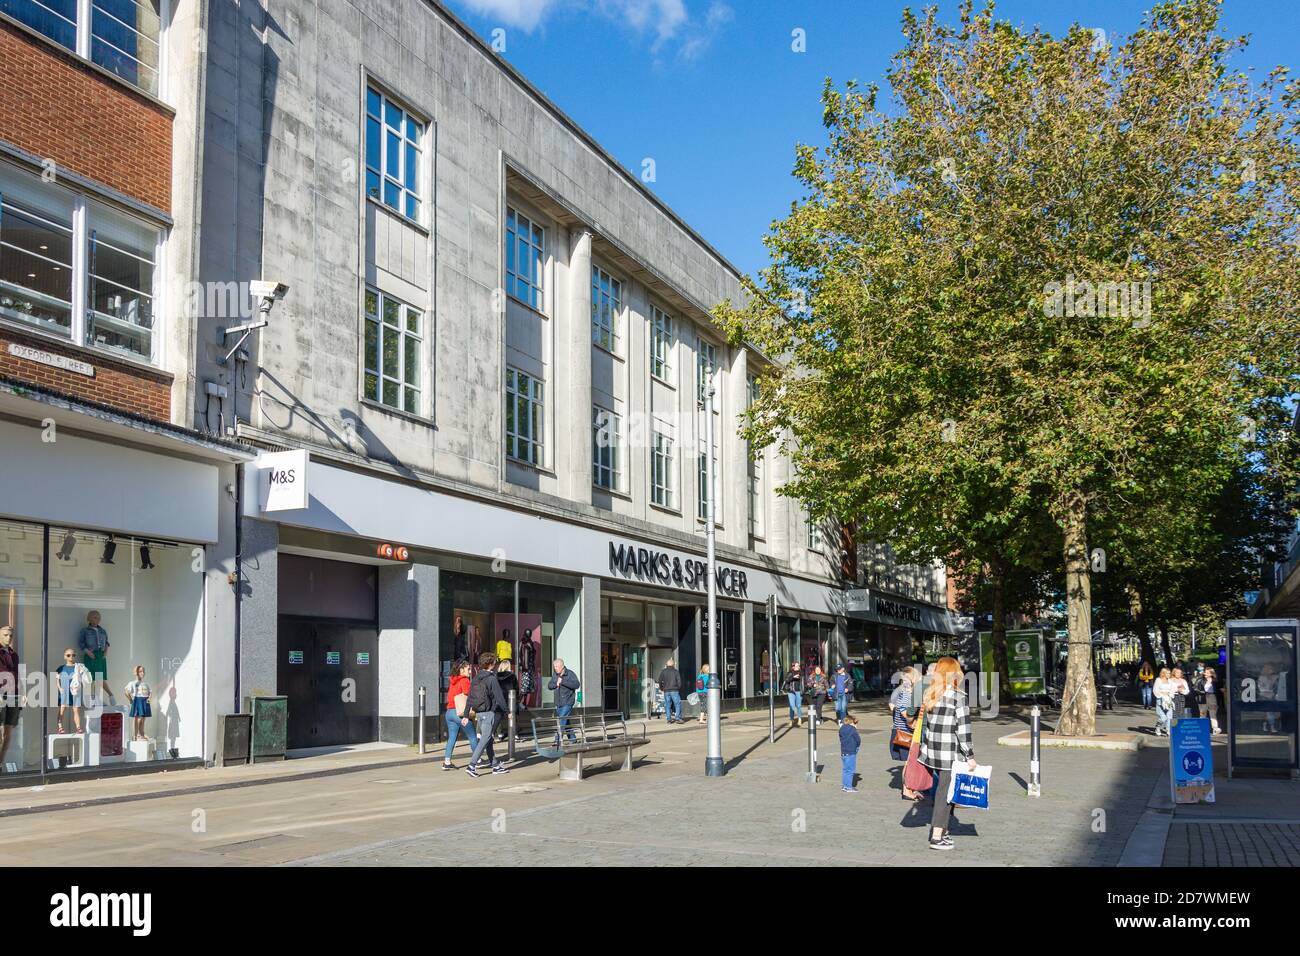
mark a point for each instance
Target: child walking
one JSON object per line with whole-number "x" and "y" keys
{"x": 137, "y": 692}
{"x": 850, "y": 741}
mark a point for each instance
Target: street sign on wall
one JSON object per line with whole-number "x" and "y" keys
{"x": 283, "y": 476}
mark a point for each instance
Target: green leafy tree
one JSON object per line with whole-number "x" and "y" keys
{"x": 1056, "y": 278}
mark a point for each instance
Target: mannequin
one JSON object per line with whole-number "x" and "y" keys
{"x": 74, "y": 679}
{"x": 93, "y": 641}
{"x": 505, "y": 650}
{"x": 11, "y": 701}
{"x": 527, "y": 655}
{"x": 459, "y": 643}
{"x": 138, "y": 693}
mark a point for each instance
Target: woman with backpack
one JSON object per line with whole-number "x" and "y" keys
{"x": 702, "y": 691}
{"x": 487, "y": 705}
{"x": 792, "y": 687}
{"x": 946, "y": 741}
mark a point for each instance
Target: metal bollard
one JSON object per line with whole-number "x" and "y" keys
{"x": 510, "y": 732}
{"x": 422, "y": 710}
{"x": 811, "y": 776}
{"x": 1035, "y": 731}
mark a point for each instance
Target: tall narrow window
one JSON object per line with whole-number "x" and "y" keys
{"x": 394, "y": 358}
{"x": 607, "y": 440}
{"x": 757, "y": 526}
{"x": 814, "y": 534}
{"x": 393, "y": 147}
{"x": 120, "y": 309}
{"x": 661, "y": 343}
{"x": 36, "y": 241}
{"x": 525, "y": 251}
{"x": 606, "y": 309}
{"x": 662, "y": 485}
{"x": 704, "y": 484}
{"x": 524, "y": 417}
{"x": 706, "y": 365}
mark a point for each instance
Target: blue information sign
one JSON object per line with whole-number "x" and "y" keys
{"x": 1191, "y": 762}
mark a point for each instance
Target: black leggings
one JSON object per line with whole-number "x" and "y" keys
{"x": 939, "y": 818}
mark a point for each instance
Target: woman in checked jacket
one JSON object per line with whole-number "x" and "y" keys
{"x": 945, "y": 740}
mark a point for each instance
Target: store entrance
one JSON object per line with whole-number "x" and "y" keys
{"x": 329, "y": 670}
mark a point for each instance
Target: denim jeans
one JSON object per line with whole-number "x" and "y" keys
{"x": 563, "y": 726}
{"x": 796, "y": 704}
{"x": 841, "y": 706}
{"x": 485, "y": 724}
{"x": 454, "y": 730}
{"x": 849, "y": 767}
{"x": 673, "y": 704}
{"x": 1163, "y": 715}
{"x": 1146, "y": 695}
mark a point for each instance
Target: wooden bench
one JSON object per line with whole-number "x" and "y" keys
{"x": 585, "y": 736}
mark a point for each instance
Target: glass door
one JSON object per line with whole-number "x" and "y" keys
{"x": 609, "y": 677}
{"x": 636, "y": 688}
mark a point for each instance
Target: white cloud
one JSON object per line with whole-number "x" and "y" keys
{"x": 668, "y": 20}
{"x": 525, "y": 14}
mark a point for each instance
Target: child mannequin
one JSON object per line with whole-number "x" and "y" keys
{"x": 137, "y": 692}
{"x": 71, "y": 684}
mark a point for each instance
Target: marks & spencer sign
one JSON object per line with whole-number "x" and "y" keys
{"x": 660, "y": 567}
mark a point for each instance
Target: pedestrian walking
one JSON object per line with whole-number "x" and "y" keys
{"x": 1209, "y": 698}
{"x": 702, "y": 691}
{"x": 1146, "y": 675}
{"x": 670, "y": 682}
{"x": 1181, "y": 692}
{"x": 902, "y": 719}
{"x": 1163, "y": 691}
{"x": 793, "y": 688}
{"x": 850, "y": 741}
{"x": 946, "y": 741}
{"x": 1109, "y": 680}
{"x": 488, "y": 705}
{"x": 842, "y": 690}
{"x": 818, "y": 690}
{"x": 565, "y": 683}
{"x": 457, "y": 714}
{"x": 509, "y": 681}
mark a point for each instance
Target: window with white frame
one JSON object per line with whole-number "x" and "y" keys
{"x": 394, "y": 140}
{"x": 606, "y": 309}
{"x": 525, "y": 417}
{"x": 525, "y": 251}
{"x": 706, "y": 365}
{"x": 661, "y": 343}
{"x": 76, "y": 267}
{"x": 703, "y": 487}
{"x": 122, "y": 36}
{"x": 606, "y": 445}
{"x": 394, "y": 352}
{"x": 663, "y": 490}
{"x": 814, "y": 534}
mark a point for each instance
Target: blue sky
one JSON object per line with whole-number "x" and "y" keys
{"x": 713, "y": 92}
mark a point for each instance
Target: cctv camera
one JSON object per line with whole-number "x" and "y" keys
{"x": 268, "y": 290}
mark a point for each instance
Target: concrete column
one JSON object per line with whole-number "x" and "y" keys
{"x": 259, "y": 609}
{"x": 589, "y": 666}
{"x": 408, "y": 650}
{"x": 571, "y": 443}
{"x": 747, "y": 685}
{"x": 219, "y": 663}
{"x": 779, "y": 508}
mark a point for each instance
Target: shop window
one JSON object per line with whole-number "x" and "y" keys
{"x": 120, "y": 677}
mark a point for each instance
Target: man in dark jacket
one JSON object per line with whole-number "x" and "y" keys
{"x": 489, "y": 705}
{"x": 565, "y": 683}
{"x": 670, "y": 682}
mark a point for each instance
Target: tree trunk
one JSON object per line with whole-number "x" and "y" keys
{"x": 999, "y": 633}
{"x": 1164, "y": 645}
{"x": 1139, "y": 616}
{"x": 1079, "y": 700}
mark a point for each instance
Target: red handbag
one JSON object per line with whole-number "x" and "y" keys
{"x": 915, "y": 776}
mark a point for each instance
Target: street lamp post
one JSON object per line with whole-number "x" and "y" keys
{"x": 713, "y": 761}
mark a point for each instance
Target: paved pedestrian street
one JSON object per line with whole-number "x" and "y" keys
{"x": 397, "y": 810}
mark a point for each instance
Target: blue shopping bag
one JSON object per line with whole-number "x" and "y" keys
{"x": 970, "y": 789}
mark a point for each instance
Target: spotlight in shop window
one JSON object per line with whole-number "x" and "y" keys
{"x": 145, "y": 563}
{"x": 110, "y": 549}
{"x": 69, "y": 545}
